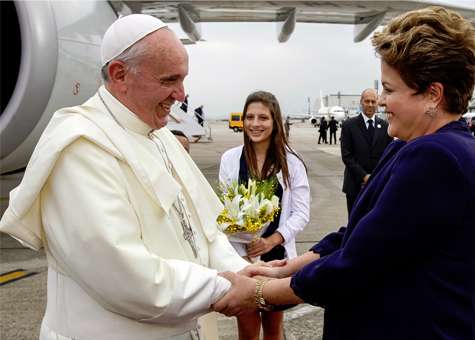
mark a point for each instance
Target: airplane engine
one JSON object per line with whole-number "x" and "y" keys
{"x": 50, "y": 59}
{"x": 313, "y": 121}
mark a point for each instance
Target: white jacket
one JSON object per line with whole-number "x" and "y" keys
{"x": 99, "y": 198}
{"x": 295, "y": 204}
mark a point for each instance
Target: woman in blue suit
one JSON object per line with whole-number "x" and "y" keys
{"x": 404, "y": 267}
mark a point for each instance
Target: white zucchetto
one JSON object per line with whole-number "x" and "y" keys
{"x": 125, "y": 32}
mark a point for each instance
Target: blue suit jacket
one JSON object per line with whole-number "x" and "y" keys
{"x": 404, "y": 268}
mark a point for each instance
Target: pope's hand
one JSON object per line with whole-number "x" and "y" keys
{"x": 240, "y": 298}
{"x": 274, "y": 269}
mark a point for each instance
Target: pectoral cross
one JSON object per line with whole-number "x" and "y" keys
{"x": 189, "y": 237}
{"x": 188, "y": 234}
{"x": 179, "y": 204}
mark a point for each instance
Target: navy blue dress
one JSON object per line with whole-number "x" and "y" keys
{"x": 404, "y": 268}
{"x": 278, "y": 252}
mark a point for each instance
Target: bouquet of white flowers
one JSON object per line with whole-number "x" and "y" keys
{"x": 248, "y": 210}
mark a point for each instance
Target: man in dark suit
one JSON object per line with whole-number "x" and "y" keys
{"x": 199, "y": 114}
{"x": 363, "y": 140}
{"x": 323, "y": 130}
{"x": 184, "y": 104}
{"x": 333, "y": 126}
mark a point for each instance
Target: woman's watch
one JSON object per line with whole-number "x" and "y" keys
{"x": 259, "y": 297}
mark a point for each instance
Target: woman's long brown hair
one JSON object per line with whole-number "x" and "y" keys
{"x": 276, "y": 158}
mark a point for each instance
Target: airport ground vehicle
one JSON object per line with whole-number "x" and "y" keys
{"x": 235, "y": 121}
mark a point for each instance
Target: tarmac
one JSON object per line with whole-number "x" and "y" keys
{"x": 22, "y": 302}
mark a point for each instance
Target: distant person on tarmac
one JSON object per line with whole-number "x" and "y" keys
{"x": 199, "y": 114}
{"x": 333, "y": 126}
{"x": 363, "y": 140}
{"x": 184, "y": 104}
{"x": 323, "y": 131}
{"x": 182, "y": 139}
{"x": 287, "y": 127}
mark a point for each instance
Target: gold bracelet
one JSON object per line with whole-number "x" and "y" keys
{"x": 259, "y": 297}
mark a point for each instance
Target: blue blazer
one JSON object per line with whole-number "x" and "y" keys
{"x": 404, "y": 267}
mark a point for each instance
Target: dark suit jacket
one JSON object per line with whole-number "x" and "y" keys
{"x": 323, "y": 127}
{"x": 333, "y": 125}
{"x": 404, "y": 268}
{"x": 359, "y": 154}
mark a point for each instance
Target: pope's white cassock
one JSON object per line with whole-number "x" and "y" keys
{"x": 100, "y": 194}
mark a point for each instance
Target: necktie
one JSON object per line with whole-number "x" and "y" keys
{"x": 370, "y": 129}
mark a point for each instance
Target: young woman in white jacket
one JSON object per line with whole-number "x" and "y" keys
{"x": 266, "y": 154}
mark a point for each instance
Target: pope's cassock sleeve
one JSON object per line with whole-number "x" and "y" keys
{"x": 93, "y": 234}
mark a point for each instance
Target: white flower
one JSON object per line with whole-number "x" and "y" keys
{"x": 246, "y": 210}
{"x": 268, "y": 206}
{"x": 232, "y": 207}
{"x": 251, "y": 207}
{"x": 252, "y": 187}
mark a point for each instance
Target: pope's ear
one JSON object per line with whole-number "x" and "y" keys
{"x": 117, "y": 71}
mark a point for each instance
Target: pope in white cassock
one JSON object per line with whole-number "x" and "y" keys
{"x": 125, "y": 216}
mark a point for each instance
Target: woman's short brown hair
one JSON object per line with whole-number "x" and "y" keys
{"x": 432, "y": 45}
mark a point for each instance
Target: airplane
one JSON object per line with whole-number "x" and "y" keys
{"x": 53, "y": 61}
{"x": 366, "y": 16}
{"x": 302, "y": 116}
{"x": 328, "y": 111}
{"x": 186, "y": 123}
{"x": 53, "y": 51}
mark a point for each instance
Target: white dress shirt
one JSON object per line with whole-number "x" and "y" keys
{"x": 366, "y": 119}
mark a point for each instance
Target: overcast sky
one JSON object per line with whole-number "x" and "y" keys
{"x": 238, "y": 58}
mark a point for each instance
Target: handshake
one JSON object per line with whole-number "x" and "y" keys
{"x": 259, "y": 286}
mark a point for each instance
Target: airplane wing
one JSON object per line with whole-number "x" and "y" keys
{"x": 365, "y": 15}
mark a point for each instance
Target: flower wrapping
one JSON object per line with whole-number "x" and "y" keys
{"x": 248, "y": 210}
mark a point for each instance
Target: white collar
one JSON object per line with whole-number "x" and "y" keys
{"x": 366, "y": 118}
{"x": 124, "y": 116}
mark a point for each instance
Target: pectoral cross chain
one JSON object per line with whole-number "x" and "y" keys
{"x": 188, "y": 234}
{"x": 178, "y": 205}
{"x": 190, "y": 238}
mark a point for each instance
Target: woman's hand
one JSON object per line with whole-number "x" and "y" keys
{"x": 279, "y": 268}
{"x": 263, "y": 245}
{"x": 262, "y": 268}
{"x": 274, "y": 269}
